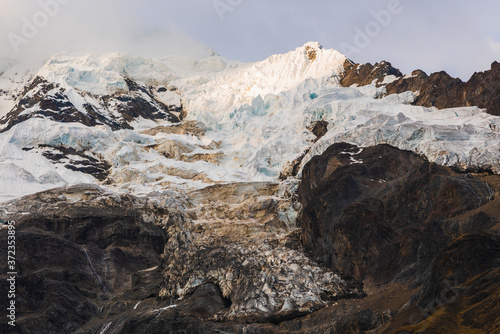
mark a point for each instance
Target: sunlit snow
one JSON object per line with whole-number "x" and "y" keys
{"x": 257, "y": 114}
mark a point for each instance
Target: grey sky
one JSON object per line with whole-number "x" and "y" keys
{"x": 458, "y": 36}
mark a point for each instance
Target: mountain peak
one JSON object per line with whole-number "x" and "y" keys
{"x": 313, "y": 45}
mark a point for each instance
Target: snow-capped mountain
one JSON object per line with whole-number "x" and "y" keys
{"x": 116, "y": 120}
{"x": 300, "y": 194}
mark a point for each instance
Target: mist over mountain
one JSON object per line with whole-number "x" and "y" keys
{"x": 457, "y": 36}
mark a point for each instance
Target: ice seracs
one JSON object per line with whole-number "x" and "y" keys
{"x": 234, "y": 87}
{"x": 93, "y": 113}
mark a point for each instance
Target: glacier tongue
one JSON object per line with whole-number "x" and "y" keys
{"x": 244, "y": 122}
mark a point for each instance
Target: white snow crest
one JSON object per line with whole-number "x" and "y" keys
{"x": 254, "y": 117}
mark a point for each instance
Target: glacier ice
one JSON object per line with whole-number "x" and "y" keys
{"x": 254, "y": 118}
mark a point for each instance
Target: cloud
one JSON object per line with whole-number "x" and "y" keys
{"x": 431, "y": 35}
{"x": 42, "y": 28}
{"x": 494, "y": 45}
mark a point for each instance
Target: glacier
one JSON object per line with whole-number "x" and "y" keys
{"x": 251, "y": 119}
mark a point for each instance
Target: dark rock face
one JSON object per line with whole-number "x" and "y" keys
{"x": 46, "y": 99}
{"x": 465, "y": 258}
{"x": 438, "y": 90}
{"x": 319, "y": 129}
{"x": 139, "y": 101}
{"x": 72, "y": 258}
{"x": 461, "y": 293}
{"x": 366, "y": 74}
{"x": 75, "y": 160}
{"x": 375, "y": 218}
{"x": 389, "y": 217}
{"x": 97, "y": 167}
{"x": 483, "y": 90}
{"x": 43, "y": 99}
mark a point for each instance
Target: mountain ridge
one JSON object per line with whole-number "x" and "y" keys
{"x": 242, "y": 108}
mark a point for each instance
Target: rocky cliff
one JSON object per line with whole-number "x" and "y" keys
{"x": 397, "y": 222}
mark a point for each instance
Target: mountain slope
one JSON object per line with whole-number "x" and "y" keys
{"x": 255, "y": 118}
{"x": 299, "y": 194}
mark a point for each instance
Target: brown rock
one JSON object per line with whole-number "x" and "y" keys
{"x": 438, "y": 90}
{"x": 366, "y": 74}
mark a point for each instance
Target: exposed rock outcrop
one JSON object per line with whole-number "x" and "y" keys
{"x": 367, "y": 74}
{"x": 381, "y": 192}
{"x": 390, "y": 217}
{"x": 76, "y": 249}
{"x": 44, "y": 99}
{"x": 438, "y": 90}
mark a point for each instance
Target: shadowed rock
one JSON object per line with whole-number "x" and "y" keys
{"x": 390, "y": 217}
